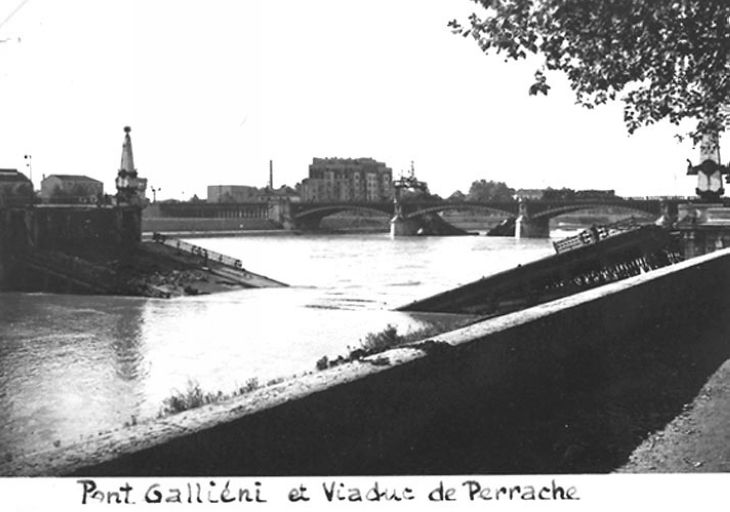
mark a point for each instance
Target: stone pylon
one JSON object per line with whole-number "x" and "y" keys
{"x": 127, "y": 165}
{"x": 130, "y": 188}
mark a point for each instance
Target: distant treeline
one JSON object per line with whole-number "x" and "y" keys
{"x": 568, "y": 194}
{"x": 487, "y": 190}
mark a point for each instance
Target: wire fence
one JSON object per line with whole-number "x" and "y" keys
{"x": 205, "y": 254}
{"x": 595, "y": 234}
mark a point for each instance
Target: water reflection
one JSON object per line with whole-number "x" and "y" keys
{"x": 127, "y": 338}
{"x": 61, "y": 364}
{"x": 94, "y": 364}
{"x": 221, "y": 342}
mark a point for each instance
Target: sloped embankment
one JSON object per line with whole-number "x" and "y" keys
{"x": 147, "y": 269}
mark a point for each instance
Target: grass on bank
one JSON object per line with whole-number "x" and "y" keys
{"x": 194, "y": 396}
{"x": 380, "y": 341}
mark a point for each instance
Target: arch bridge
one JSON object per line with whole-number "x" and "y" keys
{"x": 532, "y": 217}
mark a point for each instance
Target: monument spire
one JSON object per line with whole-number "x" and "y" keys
{"x": 130, "y": 188}
{"x": 127, "y": 165}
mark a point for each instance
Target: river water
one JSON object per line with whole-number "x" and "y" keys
{"x": 73, "y": 366}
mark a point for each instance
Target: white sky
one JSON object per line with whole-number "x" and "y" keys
{"x": 214, "y": 89}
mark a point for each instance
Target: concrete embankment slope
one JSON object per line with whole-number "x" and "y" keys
{"x": 568, "y": 386}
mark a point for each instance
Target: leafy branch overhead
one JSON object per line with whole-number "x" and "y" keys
{"x": 665, "y": 59}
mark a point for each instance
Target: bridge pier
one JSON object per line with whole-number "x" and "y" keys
{"x": 308, "y": 223}
{"x": 531, "y": 227}
{"x": 400, "y": 226}
{"x": 669, "y": 213}
{"x": 280, "y": 211}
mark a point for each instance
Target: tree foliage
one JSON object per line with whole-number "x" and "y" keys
{"x": 418, "y": 196}
{"x": 457, "y": 197}
{"x": 569, "y": 194}
{"x": 666, "y": 59}
{"x": 483, "y": 190}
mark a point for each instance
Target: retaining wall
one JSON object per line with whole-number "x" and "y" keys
{"x": 3, "y": 256}
{"x": 162, "y": 225}
{"x": 569, "y": 386}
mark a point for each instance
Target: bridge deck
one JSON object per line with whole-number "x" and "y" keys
{"x": 557, "y": 276}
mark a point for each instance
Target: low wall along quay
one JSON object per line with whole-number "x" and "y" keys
{"x": 572, "y": 385}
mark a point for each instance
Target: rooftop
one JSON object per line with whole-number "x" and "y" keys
{"x": 11, "y": 175}
{"x": 72, "y": 177}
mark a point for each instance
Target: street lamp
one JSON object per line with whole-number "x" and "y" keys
{"x": 29, "y": 164}
{"x": 154, "y": 193}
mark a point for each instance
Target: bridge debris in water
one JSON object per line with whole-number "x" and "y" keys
{"x": 164, "y": 267}
{"x": 595, "y": 257}
{"x": 594, "y": 235}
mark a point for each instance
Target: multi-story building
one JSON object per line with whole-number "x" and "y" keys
{"x": 529, "y": 194}
{"x": 347, "y": 179}
{"x": 70, "y": 188}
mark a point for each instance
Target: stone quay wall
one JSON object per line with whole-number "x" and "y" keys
{"x": 65, "y": 228}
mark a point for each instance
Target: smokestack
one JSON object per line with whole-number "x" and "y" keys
{"x": 271, "y": 174}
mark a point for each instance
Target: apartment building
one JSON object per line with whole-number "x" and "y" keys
{"x": 347, "y": 179}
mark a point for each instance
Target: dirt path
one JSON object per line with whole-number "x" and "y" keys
{"x": 698, "y": 440}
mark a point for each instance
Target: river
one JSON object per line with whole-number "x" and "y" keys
{"x": 74, "y": 366}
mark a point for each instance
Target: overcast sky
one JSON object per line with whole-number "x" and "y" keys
{"x": 214, "y": 89}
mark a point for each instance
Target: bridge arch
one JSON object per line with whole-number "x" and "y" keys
{"x": 570, "y": 208}
{"x": 460, "y": 206}
{"x": 324, "y": 211}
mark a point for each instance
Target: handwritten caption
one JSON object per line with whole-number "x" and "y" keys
{"x": 211, "y": 491}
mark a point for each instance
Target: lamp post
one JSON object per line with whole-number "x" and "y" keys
{"x": 154, "y": 190}
{"x": 29, "y": 164}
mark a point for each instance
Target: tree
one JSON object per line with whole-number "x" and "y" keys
{"x": 457, "y": 197}
{"x": 668, "y": 59}
{"x": 418, "y": 196}
{"x": 562, "y": 194}
{"x": 483, "y": 190}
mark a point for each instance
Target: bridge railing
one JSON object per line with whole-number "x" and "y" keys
{"x": 195, "y": 250}
{"x": 595, "y": 234}
{"x": 661, "y": 198}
